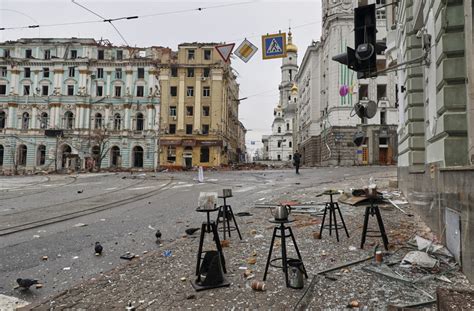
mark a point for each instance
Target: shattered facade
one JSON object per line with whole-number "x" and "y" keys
{"x": 326, "y": 122}
{"x": 432, "y": 43}
{"x": 71, "y": 104}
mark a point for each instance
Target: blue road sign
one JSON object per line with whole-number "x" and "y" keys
{"x": 274, "y": 46}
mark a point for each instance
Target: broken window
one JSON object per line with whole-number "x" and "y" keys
{"x": 46, "y": 72}
{"x": 26, "y": 90}
{"x": 205, "y": 129}
{"x": 190, "y": 91}
{"x": 99, "y": 90}
{"x": 3, "y": 71}
{"x": 204, "y": 154}
{"x": 174, "y": 71}
{"x": 27, "y": 72}
{"x": 140, "y": 91}
{"x": 171, "y": 154}
{"x": 45, "y": 90}
{"x": 189, "y": 111}
{"x": 70, "y": 90}
{"x": 189, "y": 129}
{"x": 28, "y": 53}
{"x": 207, "y": 54}
{"x": 172, "y": 129}
{"x": 206, "y": 91}
{"x": 141, "y": 73}
{"x": 118, "y": 91}
{"x": 47, "y": 54}
{"x": 100, "y": 73}
{"x": 100, "y": 54}
{"x": 118, "y": 73}
{"x": 173, "y": 111}
{"x": 119, "y": 54}
{"x": 73, "y": 54}
{"x": 205, "y": 111}
{"x": 3, "y": 89}
{"x": 72, "y": 71}
{"x": 190, "y": 72}
{"x": 191, "y": 53}
{"x": 174, "y": 91}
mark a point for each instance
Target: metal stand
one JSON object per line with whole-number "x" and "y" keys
{"x": 332, "y": 207}
{"x": 226, "y": 214}
{"x": 284, "y": 258}
{"x": 209, "y": 226}
{"x": 373, "y": 210}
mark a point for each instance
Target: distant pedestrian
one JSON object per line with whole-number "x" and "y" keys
{"x": 296, "y": 161}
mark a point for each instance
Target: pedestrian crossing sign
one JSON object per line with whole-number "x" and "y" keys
{"x": 274, "y": 46}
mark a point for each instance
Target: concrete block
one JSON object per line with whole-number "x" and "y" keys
{"x": 415, "y": 99}
{"x": 451, "y": 97}
{"x": 455, "y": 123}
{"x": 449, "y": 19}
{"x": 416, "y": 128}
{"x": 451, "y": 70}
{"x": 415, "y": 84}
{"x": 412, "y": 42}
{"x": 455, "y": 151}
{"x": 450, "y": 44}
{"x": 417, "y": 157}
{"x": 416, "y": 113}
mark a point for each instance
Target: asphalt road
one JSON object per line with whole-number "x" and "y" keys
{"x": 51, "y": 216}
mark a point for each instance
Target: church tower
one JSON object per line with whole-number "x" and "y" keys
{"x": 289, "y": 68}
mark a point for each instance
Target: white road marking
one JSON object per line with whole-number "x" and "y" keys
{"x": 9, "y": 303}
{"x": 182, "y": 186}
{"x": 108, "y": 189}
{"x": 244, "y": 189}
{"x": 141, "y": 188}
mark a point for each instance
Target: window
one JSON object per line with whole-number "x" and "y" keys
{"x": 28, "y": 53}
{"x": 47, "y": 54}
{"x": 207, "y": 54}
{"x": 44, "y": 120}
{"x": 289, "y": 144}
{"x": 206, "y": 91}
{"x": 118, "y": 73}
{"x": 174, "y": 91}
{"x": 98, "y": 121}
{"x": 100, "y": 73}
{"x": 171, "y": 154}
{"x": 206, "y": 72}
{"x": 288, "y": 126}
{"x": 99, "y": 90}
{"x": 173, "y": 111}
{"x": 41, "y": 156}
{"x": 141, "y": 73}
{"x": 1, "y": 155}
{"x": 172, "y": 129}
{"x": 3, "y": 117}
{"x": 22, "y": 155}
{"x": 46, "y": 72}
{"x": 383, "y": 140}
{"x": 189, "y": 111}
{"x": 137, "y": 156}
{"x": 68, "y": 120}
{"x": 45, "y": 90}
{"x": 3, "y": 71}
{"x": 140, "y": 90}
{"x": 383, "y": 117}
{"x": 279, "y": 129}
{"x": 6, "y": 53}
{"x": 3, "y": 89}
{"x": 72, "y": 71}
{"x": 100, "y": 54}
{"x": 191, "y": 53}
{"x": 190, "y": 72}
{"x": 73, "y": 54}
{"x": 279, "y": 144}
{"x": 70, "y": 90}
{"x": 189, "y": 129}
{"x": 27, "y": 72}
{"x": 117, "y": 121}
{"x": 205, "y": 111}
{"x": 26, "y": 90}
{"x": 25, "y": 121}
{"x": 205, "y": 129}
{"x": 118, "y": 91}
{"x": 204, "y": 154}
{"x": 381, "y": 91}
{"x": 190, "y": 91}
{"x": 291, "y": 75}
{"x": 119, "y": 54}
{"x": 174, "y": 71}
{"x": 115, "y": 155}
{"x": 140, "y": 122}
{"x": 363, "y": 91}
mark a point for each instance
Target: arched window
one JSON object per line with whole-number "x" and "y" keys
{"x": 114, "y": 156}
{"x": 137, "y": 156}
{"x": 65, "y": 156}
{"x": 279, "y": 129}
{"x": 1, "y": 155}
{"x": 290, "y": 144}
{"x": 25, "y": 121}
{"x": 288, "y": 126}
{"x": 117, "y": 121}
{"x": 139, "y": 126}
{"x": 41, "y": 155}
{"x": 22, "y": 154}
{"x": 68, "y": 120}
{"x": 3, "y": 119}
{"x": 98, "y": 121}
{"x": 44, "y": 120}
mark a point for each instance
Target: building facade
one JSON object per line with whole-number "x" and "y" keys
{"x": 68, "y": 104}
{"x": 279, "y": 145}
{"x": 75, "y": 104}
{"x": 200, "y": 108}
{"x": 431, "y": 42}
{"x": 328, "y": 91}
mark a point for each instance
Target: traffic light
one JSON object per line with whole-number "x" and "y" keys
{"x": 365, "y": 29}
{"x": 363, "y": 59}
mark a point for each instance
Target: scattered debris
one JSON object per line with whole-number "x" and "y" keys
{"x": 80, "y": 191}
{"x": 183, "y": 279}
{"x": 225, "y": 243}
{"x": 352, "y": 248}
{"x": 167, "y": 253}
{"x": 67, "y": 268}
{"x": 191, "y": 297}
{"x": 242, "y": 214}
{"x": 44, "y": 258}
{"x": 191, "y": 231}
{"x": 316, "y": 235}
{"x": 417, "y": 258}
{"x": 258, "y": 236}
{"x": 80, "y": 225}
{"x": 252, "y": 260}
{"x": 353, "y": 304}
{"x": 258, "y": 285}
{"x": 127, "y": 256}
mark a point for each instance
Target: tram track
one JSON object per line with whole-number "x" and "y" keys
{"x": 74, "y": 179}
{"x": 82, "y": 212}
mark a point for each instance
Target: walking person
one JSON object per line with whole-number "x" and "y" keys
{"x": 296, "y": 161}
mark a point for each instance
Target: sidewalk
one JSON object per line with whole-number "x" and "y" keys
{"x": 154, "y": 281}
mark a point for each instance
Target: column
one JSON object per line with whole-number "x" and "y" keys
{"x": 87, "y": 116}
{"x": 35, "y": 81}
{"x": 129, "y": 81}
{"x": 58, "y": 116}
{"x": 34, "y": 117}
{"x": 15, "y": 81}
{"x": 11, "y": 115}
{"x": 106, "y": 120}
{"x": 197, "y": 105}
{"x": 181, "y": 95}
{"x": 126, "y": 119}
{"x": 81, "y": 117}
{"x": 149, "y": 119}
{"x": 77, "y": 117}
{"x": 107, "y": 85}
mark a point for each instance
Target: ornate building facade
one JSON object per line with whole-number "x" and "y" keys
{"x": 72, "y": 104}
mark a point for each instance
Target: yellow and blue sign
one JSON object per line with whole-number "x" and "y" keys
{"x": 274, "y": 46}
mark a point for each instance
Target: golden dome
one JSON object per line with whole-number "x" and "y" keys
{"x": 290, "y": 47}
{"x": 294, "y": 89}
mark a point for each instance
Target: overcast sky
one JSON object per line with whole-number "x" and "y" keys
{"x": 230, "y": 24}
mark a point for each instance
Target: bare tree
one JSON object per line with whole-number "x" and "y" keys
{"x": 100, "y": 142}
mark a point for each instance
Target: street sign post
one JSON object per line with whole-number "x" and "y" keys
{"x": 274, "y": 46}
